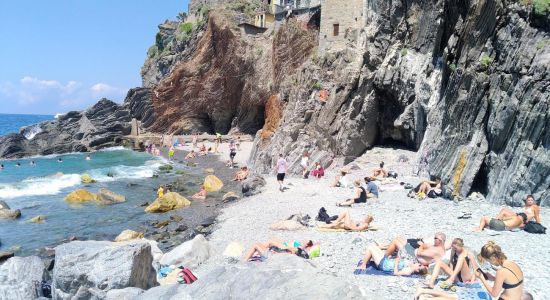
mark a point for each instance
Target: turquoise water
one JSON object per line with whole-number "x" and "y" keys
{"x": 10, "y": 123}
{"x": 40, "y": 189}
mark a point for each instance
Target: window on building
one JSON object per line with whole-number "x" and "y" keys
{"x": 335, "y": 29}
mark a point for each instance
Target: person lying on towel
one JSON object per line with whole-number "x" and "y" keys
{"x": 344, "y": 221}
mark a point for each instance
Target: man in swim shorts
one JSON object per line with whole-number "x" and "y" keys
{"x": 504, "y": 223}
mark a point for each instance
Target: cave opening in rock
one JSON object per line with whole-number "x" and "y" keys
{"x": 314, "y": 22}
{"x": 481, "y": 180}
{"x": 390, "y": 135}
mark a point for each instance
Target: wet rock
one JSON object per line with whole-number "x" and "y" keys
{"x": 86, "y": 179}
{"x": 127, "y": 235}
{"x": 181, "y": 227}
{"x": 106, "y": 197}
{"x": 176, "y": 218}
{"x": 168, "y": 202}
{"x": 5, "y": 255}
{"x": 252, "y": 185}
{"x": 80, "y": 196}
{"x": 144, "y": 204}
{"x": 38, "y": 219}
{"x": 162, "y": 224}
{"x": 7, "y": 213}
{"x": 229, "y": 196}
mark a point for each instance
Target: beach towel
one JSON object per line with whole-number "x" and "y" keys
{"x": 372, "y": 270}
{"x": 345, "y": 230}
{"x": 472, "y": 291}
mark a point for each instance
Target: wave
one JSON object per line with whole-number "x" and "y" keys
{"x": 49, "y": 185}
{"x": 30, "y": 131}
{"x": 54, "y": 184}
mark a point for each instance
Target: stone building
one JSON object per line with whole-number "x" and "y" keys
{"x": 341, "y": 22}
{"x": 277, "y": 10}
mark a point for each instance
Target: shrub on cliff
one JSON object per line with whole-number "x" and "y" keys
{"x": 186, "y": 27}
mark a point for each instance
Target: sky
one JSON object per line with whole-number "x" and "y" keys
{"x": 63, "y": 55}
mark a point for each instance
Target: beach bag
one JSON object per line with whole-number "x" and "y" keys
{"x": 392, "y": 174}
{"x": 323, "y": 216}
{"x": 185, "y": 276}
{"x": 534, "y": 227}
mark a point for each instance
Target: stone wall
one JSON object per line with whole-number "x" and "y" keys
{"x": 348, "y": 15}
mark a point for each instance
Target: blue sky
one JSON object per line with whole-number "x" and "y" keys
{"x": 62, "y": 55}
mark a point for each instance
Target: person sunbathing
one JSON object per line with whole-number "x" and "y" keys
{"x": 344, "y": 221}
{"x": 506, "y": 223}
{"x": 277, "y": 246}
{"x": 202, "y": 150}
{"x": 531, "y": 210}
{"x": 384, "y": 262}
{"x": 419, "y": 250}
{"x": 191, "y": 154}
{"x": 429, "y": 188}
{"x": 380, "y": 171}
{"x": 360, "y": 195}
{"x": 242, "y": 174}
{"x": 460, "y": 294}
{"x": 200, "y": 195}
{"x": 460, "y": 267}
{"x": 341, "y": 180}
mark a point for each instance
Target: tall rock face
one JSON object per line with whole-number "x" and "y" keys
{"x": 224, "y": 84}
{"x": 465, "y": 82}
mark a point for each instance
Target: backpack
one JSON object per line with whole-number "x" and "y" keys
{"x": 324, "y": 217}
{"x": 534, "y": 227}
{"x": 185, "y": 276}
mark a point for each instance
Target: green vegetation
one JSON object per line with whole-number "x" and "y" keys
{"x": 317, "y": 86}
{"x": 152, "y": 52}
{"x": 404, "y": 52}
{"x": 247, "y": 8}
{"x": 204, "y": 10}
{"x": 186, "y": 27}
{"x": 182, "y": 16}
{"x": 158, "y": 41}
{"x": 541, "y": 7}
{"x": 485, "y": 61}
{"x": 452, "y": 67}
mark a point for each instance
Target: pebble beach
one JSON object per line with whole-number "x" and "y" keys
{"x": 247, "y": 222}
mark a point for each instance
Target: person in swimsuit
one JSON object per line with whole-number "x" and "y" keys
{"x": 387, "y": 264}
{"x": 531, "y": 210}
{"x": 459, "y": 269}
{"x": 277, "y": 246}
{"x": 417, "y": 249}
{"x": 242, "y": 174}
{"x": 507, "y": 223}
{"x": 431, "y": 189}
{"x": 359, "y": 197}
{"x": 508, "y": 278}
{"x": 380, "y": 171}
{"x": 200, "y": 195}
{"x": 344, "y": 221}
{"x": 191, "y": 154}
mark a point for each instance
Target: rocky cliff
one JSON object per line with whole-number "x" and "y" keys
{"x": 103, "y": 125}
{"x": 463, "y": 81}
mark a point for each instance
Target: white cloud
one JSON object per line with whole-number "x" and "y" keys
{"x": 34, "y": 94}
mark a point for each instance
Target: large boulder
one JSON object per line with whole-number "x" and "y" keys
{"x": 105, "y": 197}
{"x": 7, "y": 213}
{"x": 123, "y": 294}
{"x": 128, "y": 235}
{"x": 189, "y": 254}
{"x": 280, "y": 277}
{"x": 89, "y": 269}
{"x": 18, "y": 276}
{"x": 212, "y": 183}
{"x": 80, "y": 196}
{"x": 253, "y": 185}
{"x": 168, "y": 202}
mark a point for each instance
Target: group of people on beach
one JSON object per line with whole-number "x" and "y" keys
{"x": 404, "y": 257}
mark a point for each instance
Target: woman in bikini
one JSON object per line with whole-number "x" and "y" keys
{"x": 509, "y": 277}
{"x": 277, "y": 246}
{"x": 344, "y": 221}
{"x": 385, "y": 263}
{"x": 360, "y": 195}
{"x": 459, "y": 269}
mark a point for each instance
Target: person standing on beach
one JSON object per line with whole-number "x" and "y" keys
{"x": 238, "y": 143}
{"x": 282, "y": 167}
{"x": 195, "y": 140}
{"x": 217, "y": 142}
{"x": 232, "y": 151}
{"x": 160, "y": 191}
{"x": 171, "y": 153}
{"x": 303, "y": 163}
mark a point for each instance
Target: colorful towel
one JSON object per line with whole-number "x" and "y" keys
{"x": 472, "y": 292}
{"x": 372, "y": 270}
{"x": 345, "y": 230}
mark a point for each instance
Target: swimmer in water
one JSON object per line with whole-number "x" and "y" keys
{"x": 88, "y": 157}
{"x": 32, "y": 163}
{"x": 59, "y": 160}
{"x": 18, "y": 164}
{"x": 1, "y": 166}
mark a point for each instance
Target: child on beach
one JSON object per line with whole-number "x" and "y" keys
{"x": 171, "y": 153}
{"x": 200, "y": 195}
{"x": 242, "y": 174}
{"x": 191, "y": 154}
{"x": 281, "y": 169}
{"x": 160, "y": 191}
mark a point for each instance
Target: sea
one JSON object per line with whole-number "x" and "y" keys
{"x": 37, "y": 186}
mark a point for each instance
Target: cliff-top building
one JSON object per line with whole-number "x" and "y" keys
{"x": 341, "y": 22}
